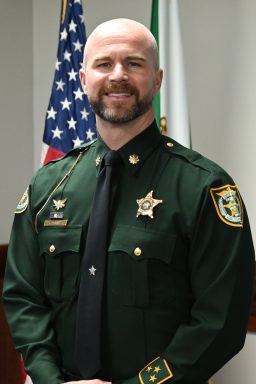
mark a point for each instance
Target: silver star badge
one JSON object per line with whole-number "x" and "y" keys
{"x": 58, "y": 204}
{"x": 92, "y": 271}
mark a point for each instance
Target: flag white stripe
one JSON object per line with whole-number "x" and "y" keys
{"x": 173, "y": 92}
{"x": 44, "y": 151}
{"x": 28, "y": 380}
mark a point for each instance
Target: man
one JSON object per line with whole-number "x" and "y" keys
{"x": 180, "y": 261}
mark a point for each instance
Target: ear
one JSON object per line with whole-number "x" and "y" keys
{"x": 159, "y": 78}
{"x": 82, "y": 76}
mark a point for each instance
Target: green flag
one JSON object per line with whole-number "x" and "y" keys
{"x": 172, "y": 102}
{"x": 154, "y": 30}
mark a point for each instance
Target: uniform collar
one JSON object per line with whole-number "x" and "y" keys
{"x": 136, "y": 151}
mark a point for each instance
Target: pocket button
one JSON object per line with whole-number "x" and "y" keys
{"x": 52, "y": 248}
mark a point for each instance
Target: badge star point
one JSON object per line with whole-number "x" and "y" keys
{"x": 149, "y": 369}
{"x": 147, "y": 204}
{"x": 152, "y": 378}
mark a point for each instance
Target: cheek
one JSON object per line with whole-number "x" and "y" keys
{"x": 94, "y": 84}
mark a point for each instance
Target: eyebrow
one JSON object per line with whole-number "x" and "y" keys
{"x": 131, "y": 57}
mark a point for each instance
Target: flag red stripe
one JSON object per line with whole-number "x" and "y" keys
{"x": 52, "y": 154}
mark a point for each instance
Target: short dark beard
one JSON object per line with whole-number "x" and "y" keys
{"x": 105, "y": 113}
{"x": 138, "y": 109}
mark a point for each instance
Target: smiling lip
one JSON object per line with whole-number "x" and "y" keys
{"x": 113, "y": 94}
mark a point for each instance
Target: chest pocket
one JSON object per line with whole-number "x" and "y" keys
{"x": 140, "y": 265}
{"x": 60, "y": 248}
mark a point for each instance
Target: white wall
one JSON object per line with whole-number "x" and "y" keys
{"x": 220, "y": 53}
{"x": 16, "y": 107}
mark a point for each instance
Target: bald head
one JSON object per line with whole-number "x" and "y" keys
{"x": 120, "y": 29}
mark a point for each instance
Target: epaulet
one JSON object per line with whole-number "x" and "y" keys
{"x": 81, "y": 149}
{"x": 173, "y": 147}
{"x": 189, "y": 155}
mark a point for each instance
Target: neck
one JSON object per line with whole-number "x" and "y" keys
{"x": 117, "y": 135}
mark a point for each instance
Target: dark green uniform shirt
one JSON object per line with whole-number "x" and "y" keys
{"x": 178, "y": 284}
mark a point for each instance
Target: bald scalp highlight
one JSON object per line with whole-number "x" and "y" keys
{"x": 117, "y": 27}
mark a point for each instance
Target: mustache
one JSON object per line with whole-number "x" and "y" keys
{"x": 118, "y": 88}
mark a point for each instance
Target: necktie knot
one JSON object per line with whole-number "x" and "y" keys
{"x": 112, "y": 158}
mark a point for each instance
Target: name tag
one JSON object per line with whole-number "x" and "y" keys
{"x": 55, "y": 223}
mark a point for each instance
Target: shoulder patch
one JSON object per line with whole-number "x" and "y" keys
{"x": 23, "y": 203}
{"x": 228, "y": 204}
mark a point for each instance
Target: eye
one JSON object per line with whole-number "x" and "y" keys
{"x": 134, "y": 64}
{"x": 103, "y": 65}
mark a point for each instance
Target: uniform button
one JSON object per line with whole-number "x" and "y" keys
{"x": 169, "y": 145}
{"x": 137, "y": 251}
{"x": 52, "y": 248}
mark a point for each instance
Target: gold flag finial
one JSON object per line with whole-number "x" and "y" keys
{"x": 163, "y": 125}
{"x": 64, "y": 8}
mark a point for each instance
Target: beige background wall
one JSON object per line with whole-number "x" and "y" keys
{"x": 220, "y": 54}
{"x": 16, "y": 106}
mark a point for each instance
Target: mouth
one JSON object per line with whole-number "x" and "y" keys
{"x": 119, "y": 95}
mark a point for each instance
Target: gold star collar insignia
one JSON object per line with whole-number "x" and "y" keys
{"x": 58, "y": 204}
{"x": 146, "y": 205}
{"x": 134, "y": 159}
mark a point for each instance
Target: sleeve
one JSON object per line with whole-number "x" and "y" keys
{"x": 27, "y": 310}
{"x": 222, "y": 265}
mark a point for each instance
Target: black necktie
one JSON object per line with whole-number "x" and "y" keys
{"x": 88, "y": 334}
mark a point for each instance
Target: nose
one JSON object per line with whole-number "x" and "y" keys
{"x": 118, "y": 73}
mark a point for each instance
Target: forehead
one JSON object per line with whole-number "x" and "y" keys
{"x": 117, "y": 45}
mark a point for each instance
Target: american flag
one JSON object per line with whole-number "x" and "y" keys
{"x": 69, "y": 120}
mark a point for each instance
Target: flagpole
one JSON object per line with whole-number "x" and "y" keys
{"x": 64, "y": 8}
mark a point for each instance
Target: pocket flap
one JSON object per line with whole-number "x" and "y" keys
{"x": 142, "y": 243}
{"x": 54, "y": 241}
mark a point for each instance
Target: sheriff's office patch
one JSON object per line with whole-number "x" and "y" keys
{"x": 156, "y": 372}
{"x": 228, "y": 204}
{"x": 23, "y": 203}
